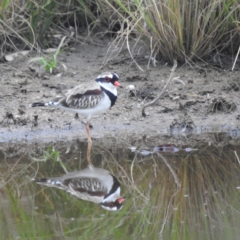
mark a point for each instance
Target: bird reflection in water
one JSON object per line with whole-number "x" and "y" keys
{"x": 91, "y": 184}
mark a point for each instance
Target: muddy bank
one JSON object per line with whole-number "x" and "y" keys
{"x": 208, "y": 96}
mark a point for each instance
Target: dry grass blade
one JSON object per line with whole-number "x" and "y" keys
{"x": 163, "y": 90}
{"x": 236, "y": 59}
{"x": 171, "y": 170}
{"x": 237, "y": 157}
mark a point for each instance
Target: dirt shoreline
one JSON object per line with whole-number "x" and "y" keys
{"x": 193, "y": 93}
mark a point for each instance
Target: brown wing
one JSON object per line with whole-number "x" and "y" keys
{"x": 82, "y": 88}
{"x": 92, "y": 186}
{"x": 82, "y": 97}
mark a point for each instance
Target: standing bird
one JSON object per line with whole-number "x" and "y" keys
{"x": 91, "y": 184}
{"x": 88, "y": 99}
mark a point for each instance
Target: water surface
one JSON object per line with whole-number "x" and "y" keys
{"x": 174, "y": 189}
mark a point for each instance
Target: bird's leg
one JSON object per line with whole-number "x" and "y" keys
{"x": 88, "y": 132}
{"x": 90, "y": 125}
{"x": 89, "y": 147}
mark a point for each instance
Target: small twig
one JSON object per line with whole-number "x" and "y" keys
{"x": 132, "y": 180}
{"x": 171, "y": 170}
{"x": 236, "y": 59}
{"x": 128, "y": 47}
{"x": 160, "y": 94}
{"x": 237, "y": 157}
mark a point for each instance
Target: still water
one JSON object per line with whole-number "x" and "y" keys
{"x": 173, "y": 189}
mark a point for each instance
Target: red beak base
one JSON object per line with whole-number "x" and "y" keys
{"x": 117, "y": 84}
{"x": 120, "y": 200}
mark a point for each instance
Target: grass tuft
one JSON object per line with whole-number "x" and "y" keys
{"x": 183, "y": 30}
{"x": 50, "y": 63}
{"x": 30, "y": 24}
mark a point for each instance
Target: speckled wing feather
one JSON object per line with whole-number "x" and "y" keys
{"x": 83, "y": 96}
{"x": 91, "y": 186}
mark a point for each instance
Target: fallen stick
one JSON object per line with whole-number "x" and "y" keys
{"x": 163, "y": 90}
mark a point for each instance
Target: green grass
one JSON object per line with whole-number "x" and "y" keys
{"x": 50, "y": 63}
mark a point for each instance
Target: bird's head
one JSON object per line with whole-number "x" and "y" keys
{"x": 114, "y": 201}
{"x": 113, "y": 206}
{"x": 109, "y": 81}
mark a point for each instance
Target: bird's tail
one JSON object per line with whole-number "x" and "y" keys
{"x": 42, "y": 104}
{"x": 50, "y": 182}
{"x": 38, "y": 104}
{"x": 40, "y": 180}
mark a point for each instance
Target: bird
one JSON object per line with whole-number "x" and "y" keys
{"x": 88, "y": 99}
{"x": 91, "y": 184}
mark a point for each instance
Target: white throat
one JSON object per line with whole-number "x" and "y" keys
{"x": 113, "y": 197}
{"x": 109, "y": 86}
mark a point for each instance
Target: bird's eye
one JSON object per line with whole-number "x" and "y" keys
{"x": 111, "y": 204}
{"x": 107, "y": 79}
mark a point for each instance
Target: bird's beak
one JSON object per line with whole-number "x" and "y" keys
{"x": 117, "y": 84}
{"x": 121, "y": 200}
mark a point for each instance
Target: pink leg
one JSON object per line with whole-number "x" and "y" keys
{"x": 89, "y": 153}
{"x": 88, "y": 132}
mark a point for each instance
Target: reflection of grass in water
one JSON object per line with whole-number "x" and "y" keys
{"x": 205, "y": 207}
{"x": 207, "y": 203}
